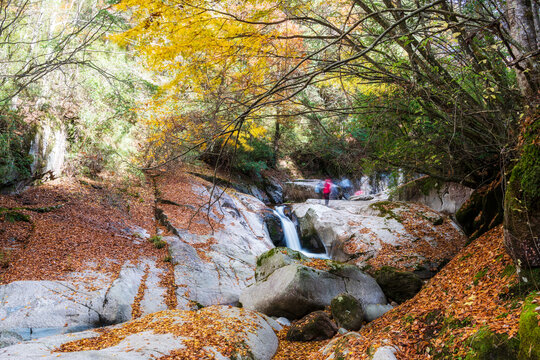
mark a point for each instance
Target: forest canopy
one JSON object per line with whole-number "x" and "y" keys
{"x": 428, "y": 87}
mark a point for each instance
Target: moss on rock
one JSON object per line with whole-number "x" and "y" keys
{"x": 487, "y": 345}
{"x": 13, "y": 216}
{"x": 347, "y": 311}
{"x": 274, "y": 259}
{"x": 529, "y": 331}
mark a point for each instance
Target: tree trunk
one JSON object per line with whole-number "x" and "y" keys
{"x": 523, "y": 19}
{"x": 522, "y": 198}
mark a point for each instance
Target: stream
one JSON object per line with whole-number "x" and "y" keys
{"x": 291, "y": 235}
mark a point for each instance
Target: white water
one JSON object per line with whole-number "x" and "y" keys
{"x": 291, "y": 235}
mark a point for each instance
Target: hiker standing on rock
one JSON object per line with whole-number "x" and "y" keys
{"x": 327, "y": 190}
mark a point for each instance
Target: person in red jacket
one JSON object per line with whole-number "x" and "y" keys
{"x": 327, "y": 190}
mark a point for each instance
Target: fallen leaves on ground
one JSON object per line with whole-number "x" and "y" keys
{"x": 467, "y": 295}
{"x": 91, "y": 231}
{"x": 424, "y": 240}
{"x": 295, "y": 350}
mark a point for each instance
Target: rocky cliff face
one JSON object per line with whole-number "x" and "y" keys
{"x": 446, "y": 198}
{"x": 46, "y": 144}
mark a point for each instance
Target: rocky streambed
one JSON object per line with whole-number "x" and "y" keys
{"x": 221, "y": 256}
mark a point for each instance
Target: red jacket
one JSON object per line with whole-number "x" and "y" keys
{"x": 327, "y": 187}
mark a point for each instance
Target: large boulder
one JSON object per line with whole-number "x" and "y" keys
{"x": 277, "y": 258}
{"x": 300, "y": 287}
{"x": 215, "y": 242}
{"x": 216, "y": 332}
{"x": 407, "y": 236}
{"x": 347, "y": 311}
{"x": 398, "y": 286}
{"x": 444, "y": 197}
{"x": 313, "y": 327}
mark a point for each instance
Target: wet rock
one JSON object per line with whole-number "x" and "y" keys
{"x": 275, "y": 230}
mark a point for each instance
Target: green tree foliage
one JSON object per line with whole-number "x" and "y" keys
{"x": 59, "y": 66}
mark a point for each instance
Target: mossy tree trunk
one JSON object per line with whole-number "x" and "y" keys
{"x": 522, "y": 199}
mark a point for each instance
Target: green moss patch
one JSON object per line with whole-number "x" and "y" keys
{"x": 529, "y": 331}
{"x": 487, "y": 345}
{"x": 385, "y": 209}
{"x": 13, "y": 216}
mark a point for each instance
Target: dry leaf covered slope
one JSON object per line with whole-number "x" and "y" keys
{"x": 467, "y": 298}
{"x": 79, "y": 256}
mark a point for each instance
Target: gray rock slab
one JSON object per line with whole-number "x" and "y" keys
{"x": 154, "y": 295}
{"x": 258, "y": 337}
{"x": 37, "y": 308}
{"x": 296, "y": 290}
{"x": 374, "y": 311}
{"x": 117, "y": 305}
{"x": 219, "y": 273}
{"x": 385, "y": 353}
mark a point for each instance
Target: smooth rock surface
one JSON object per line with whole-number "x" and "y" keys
{"x": 214, "y": 268}
{"x": 117, "y": 306}
{"x": 347, "y": 312}
{"x": 258, "y": 339}
{"x": 385, "y": 353}
{"x": 444, "y": 197}
{"x": 296, "y": 290}
{"x": 34, "y": 309}
{"x": 275, "y": 259}
{"x": 374, "y": 311}
{"x": 359, "y": 232}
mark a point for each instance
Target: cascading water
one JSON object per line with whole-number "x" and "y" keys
{"x": 291, "y": 235}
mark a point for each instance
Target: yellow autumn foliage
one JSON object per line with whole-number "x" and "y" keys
{"x": 209, "y": 51}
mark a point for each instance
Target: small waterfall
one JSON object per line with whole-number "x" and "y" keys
{"x": 291, "y": 235}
